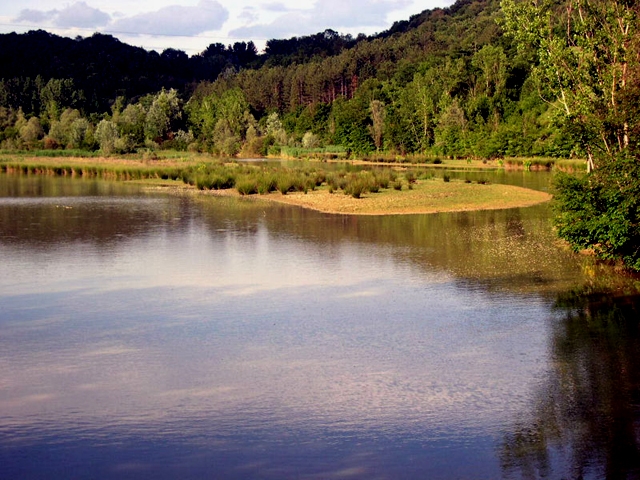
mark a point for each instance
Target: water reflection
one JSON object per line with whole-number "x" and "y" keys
{"x": 585, "y": 421}
{"x": 195, "y": 337}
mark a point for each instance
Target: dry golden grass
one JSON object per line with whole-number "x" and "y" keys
{"x": 429, "y": 196}
{"x": 103, "y": 161}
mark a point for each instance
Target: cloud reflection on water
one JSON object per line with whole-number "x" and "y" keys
{"x": 262, "y": 337}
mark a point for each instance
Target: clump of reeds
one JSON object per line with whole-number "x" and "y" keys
{"x": 359, "y": 183}
{"x": 293, "y": 181}
{"x": 247, "y": 185}
{"x": 410, "y": 176}
{"x": 267, "y": 182}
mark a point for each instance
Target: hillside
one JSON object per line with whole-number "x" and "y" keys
{"x": 444, "y": 82}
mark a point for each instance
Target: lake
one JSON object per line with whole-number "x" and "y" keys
{"x": 145, "y": 335}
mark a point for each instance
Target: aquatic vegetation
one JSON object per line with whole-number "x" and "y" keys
{"x": 247, "y": 185}
{"x": 377, "y": 188}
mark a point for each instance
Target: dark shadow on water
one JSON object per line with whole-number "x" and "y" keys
{"x": 585, "y": 419}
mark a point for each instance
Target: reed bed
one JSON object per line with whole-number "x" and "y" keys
{"x": 247, "y": 179}
{"x": 369, "y": 191}
{"x": 115, "y": 172}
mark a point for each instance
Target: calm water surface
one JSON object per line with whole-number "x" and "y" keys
{"x": 149, "y": 336}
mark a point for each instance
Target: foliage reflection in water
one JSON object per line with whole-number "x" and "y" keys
{"x": 144, "y": 336}
{"x": 586, "y": 415}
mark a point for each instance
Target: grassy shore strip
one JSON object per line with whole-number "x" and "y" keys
{"x": 179, "y": 158}
{"x": 428, "y": 196}
{"x": 342, "y": 192}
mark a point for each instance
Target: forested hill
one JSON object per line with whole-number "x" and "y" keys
{"x": 444, "y": 82}
{"x": 103, "y": 68}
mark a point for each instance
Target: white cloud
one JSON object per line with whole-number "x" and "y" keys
{"x": 81, "y": 15}
{"x": 208, "y": 15}
{"x": 355, "y": 13}
{"x": 334, "y": 14}
{"x": 249, "y": 15}
{"x": 275, "y": 7}
{"x": 29, "y": 15}
{"x": 77, "y": 15}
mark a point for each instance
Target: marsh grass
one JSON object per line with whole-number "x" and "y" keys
{"x": 292, "y": 180}
{"x": 114, "y": 171}
{"x": 571, "y": 166}
{"x": 247, "y": 185}
{"x": 284, "y": 183}
{"x": 361, "y": 185}
{"x": 357, "y": 184}
{"x": 425, "y": 197}
{"x": 267, "y": 182}
{"x": 336, "y": 180}
{"x": 418, "y": 159}
{"x": 530, "y": 163}
{"x": 67, "y": 153}
{"x": 410, "y": 177}
{"x": 330, "y": 152}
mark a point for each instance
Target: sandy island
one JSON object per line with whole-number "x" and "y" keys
{"x": 427, "y": 196}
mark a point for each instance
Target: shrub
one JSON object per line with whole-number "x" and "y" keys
{"x": 274, "y": 151}
{"x": 600, "y": 211}
{"x": 247, "y": 185}
{"x": 267, "y": 183}
{"x": 336, "y": 180}
{"x": 284, "y": 183}
{"x": 410, "y": 176}
{"x": 355, "y": 188}
{"x": 384, "y": 179}
{"x": 359, "y": 183}
{"x": 222, "y": 181}
{"x": 310, "y": 140}
{"x": 50, "y": 143}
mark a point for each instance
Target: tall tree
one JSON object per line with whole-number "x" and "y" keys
{"x": 588, "y": 59}
{"x": 584, "y": 52}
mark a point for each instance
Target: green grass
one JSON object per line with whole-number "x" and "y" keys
{"x": 51, "y": 153}
{"x": 259, "y": 178}
{"x": 331, "y": 152}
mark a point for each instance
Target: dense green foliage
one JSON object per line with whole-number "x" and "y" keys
{"x": 601, "y": 211}
{"x": 447, "y": 82}
{"x": 587, "y": 65}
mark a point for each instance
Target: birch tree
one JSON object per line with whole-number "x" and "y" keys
{"x": 588, "y": 64}
{"x": 584, "y": 49}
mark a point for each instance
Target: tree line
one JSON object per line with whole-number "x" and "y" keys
{"x": 448, "y": 82}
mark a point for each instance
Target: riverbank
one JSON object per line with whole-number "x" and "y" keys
{"x": 406, "y": 193}
{"x": 425, "y": 197}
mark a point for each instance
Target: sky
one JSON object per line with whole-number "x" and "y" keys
{"x": 191, "y": 25}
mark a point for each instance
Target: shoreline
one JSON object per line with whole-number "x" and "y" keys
{"x": 421, "y": 196}
{"x": 421, "y": 200}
